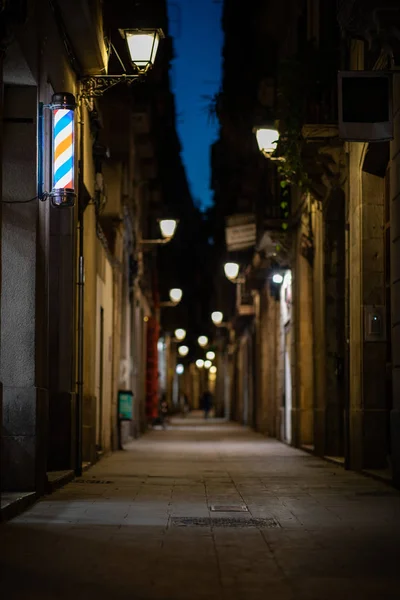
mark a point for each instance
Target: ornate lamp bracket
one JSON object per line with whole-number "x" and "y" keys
{"x": 94, "y": 86}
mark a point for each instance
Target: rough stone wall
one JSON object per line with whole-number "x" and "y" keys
{"x": 18, "y": 283}
{"x": 375, "y": 447}
{"x": 303, "y": 356}
{"x": 365, "y": 213}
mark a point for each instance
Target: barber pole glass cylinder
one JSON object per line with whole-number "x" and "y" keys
{"x": 63, "y": 109}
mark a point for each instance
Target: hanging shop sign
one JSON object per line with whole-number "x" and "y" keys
{"x": 63, "y": 110}
{"x": 365, "y": 106}
{"x": 240, "y": 232}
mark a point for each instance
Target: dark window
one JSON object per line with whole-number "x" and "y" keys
{"x": 365, "y": 99}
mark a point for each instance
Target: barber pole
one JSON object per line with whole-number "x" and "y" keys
{"x": 63, "y": 108}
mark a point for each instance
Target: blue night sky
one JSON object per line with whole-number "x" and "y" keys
{"x": 195, "y": 26}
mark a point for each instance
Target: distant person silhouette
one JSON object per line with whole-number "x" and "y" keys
{"x": 206, "y": 403}
{"x": 186, "y": 406}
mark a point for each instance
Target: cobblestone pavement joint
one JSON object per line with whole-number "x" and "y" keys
{"x": 138, "y": 526}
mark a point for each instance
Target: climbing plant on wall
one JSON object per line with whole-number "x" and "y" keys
{"x": 292, "y": 91}
{"x": 300, "y": 82}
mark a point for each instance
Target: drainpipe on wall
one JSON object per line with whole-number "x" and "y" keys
{"x": 1, "y": 227}
{"x": 346, "y": 416}
{"x": 80, "y": 284}
{"x": 346, "y": 427}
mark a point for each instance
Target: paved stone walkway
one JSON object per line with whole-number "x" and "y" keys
{"x": 142, "y": 528}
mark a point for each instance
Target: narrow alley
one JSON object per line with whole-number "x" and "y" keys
{"x": 156, "y": 521}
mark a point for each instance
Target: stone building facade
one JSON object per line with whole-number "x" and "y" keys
{"x": 323, "y": 382}
{"x": 76, "y": 285}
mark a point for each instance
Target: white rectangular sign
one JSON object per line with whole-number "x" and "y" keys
{"x": 239, "y": 237}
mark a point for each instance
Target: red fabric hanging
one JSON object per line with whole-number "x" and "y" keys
{"x": 152, "y": 400}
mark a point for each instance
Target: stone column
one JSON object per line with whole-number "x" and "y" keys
{"x": 354, "y": 307}
{"x": 366, "y": 288}
{"x": 303, "y": 389}
{"x": 319, "y": 329}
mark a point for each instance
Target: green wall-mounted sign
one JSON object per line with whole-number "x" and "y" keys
{"x": 125, "y": 405}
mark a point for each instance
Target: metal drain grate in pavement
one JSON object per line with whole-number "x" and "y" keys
{"x": 376, "y": 494}
{"x": 103, "y": 481}
{"x": 229, "y": 508}
{"x": 224, "y": 522}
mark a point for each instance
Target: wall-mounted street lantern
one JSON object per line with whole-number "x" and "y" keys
{"x": 277, "y": 278}
{"x": 210, "y": 355}
{"x": 63, "y": 107}
{"x": 175, "y": 295}
{"x": 183, "y": 350}
{"x": 142, "y": 45}
{"x": 202, "y": 341}
{"x": 267, "y": 139}
{"x": 232, "y": 271}
{"x": 276, "y": 281}
{"x": 180, "y": 334}
{"x": 167, "y": 227}
{"x": 217, "y": 317}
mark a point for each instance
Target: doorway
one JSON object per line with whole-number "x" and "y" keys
{"x": 99, "y": 424}
{"x": 287, "y": 390}
{"x": 285, "y": 342}
{"x": 335, "y": 318}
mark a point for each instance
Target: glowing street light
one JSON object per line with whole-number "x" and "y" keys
{"x": 207, "y": 364}
{"x": 231, "y": 270}
{"x": 210, "y": 355}
{"x": 203, "y": 341}
{"x": 180, "y": 334}
{"x": 267, "y": 139}
{"x": 213, "y": 370}
{"x": 199, "y": 363}
{"x": 277, "y": 278}
{"x": 142, "y": 46}
{"x": 183, "y": 350}
{"x": 168, "y": 227}
{"x": 180, "y": 369}
{"x": 176, "y": 295}
{"x": 217, "y": 317}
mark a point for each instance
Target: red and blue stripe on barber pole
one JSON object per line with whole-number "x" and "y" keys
{"x": 63, "y": 154}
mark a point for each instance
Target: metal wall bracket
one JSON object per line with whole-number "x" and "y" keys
{"x": 94, "y": 86}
